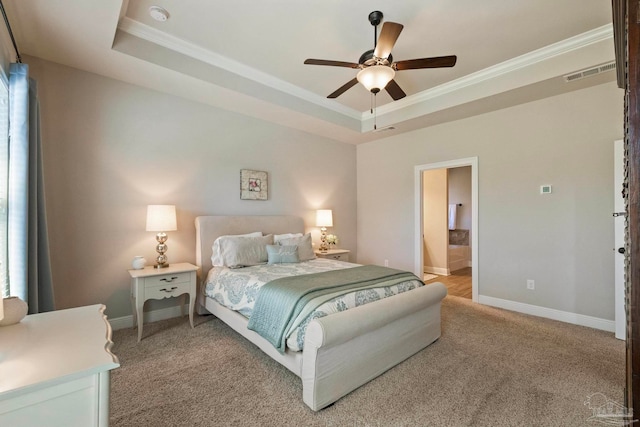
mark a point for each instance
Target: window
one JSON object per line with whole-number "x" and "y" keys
{"x": 4, "y": 185}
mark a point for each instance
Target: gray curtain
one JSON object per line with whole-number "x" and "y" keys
{"x": 29, "y": 262}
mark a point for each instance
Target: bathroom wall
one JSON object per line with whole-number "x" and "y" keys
{"x": 435, "y": 214}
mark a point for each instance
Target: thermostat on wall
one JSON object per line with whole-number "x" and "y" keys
{"x": 545, "y": 189}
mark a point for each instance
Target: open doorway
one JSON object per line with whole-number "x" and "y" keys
{"x": 446, "y": 243}
{"x": 447, "y": 228}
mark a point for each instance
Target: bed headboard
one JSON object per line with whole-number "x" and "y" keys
{"x": 209, "y": 228}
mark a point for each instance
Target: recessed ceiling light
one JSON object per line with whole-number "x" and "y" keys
{"x": 158, "y": 13}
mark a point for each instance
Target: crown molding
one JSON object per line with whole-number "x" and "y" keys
{"x": 518, "y": 63}
{"x": 512, "y": 65}
{"x": 195, "y": 51}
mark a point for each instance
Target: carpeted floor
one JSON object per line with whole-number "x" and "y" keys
{"x": 489, "y": 368}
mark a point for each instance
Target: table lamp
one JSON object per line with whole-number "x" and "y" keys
{"x": 324, "y": 219}
{"x": 161, "y": 218}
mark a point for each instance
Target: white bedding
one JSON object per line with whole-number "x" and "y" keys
{"x": 237, "y": 289}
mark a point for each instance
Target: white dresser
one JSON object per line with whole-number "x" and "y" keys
{"x": 54, "y": 369}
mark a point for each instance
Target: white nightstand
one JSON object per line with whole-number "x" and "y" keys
{"x": 159, "y": 283}
{"x": 339, "y": 254}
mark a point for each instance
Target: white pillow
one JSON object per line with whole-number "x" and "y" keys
{"x": 305, "y": 249}
{"x": 278, "y": 237}
{"x": 216, "y": 258}
{"x": 240, "y": 252}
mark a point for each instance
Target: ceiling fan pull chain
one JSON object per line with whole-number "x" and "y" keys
{"x": 375, "y": 112}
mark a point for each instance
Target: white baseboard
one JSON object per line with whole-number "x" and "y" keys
{"x": 437, "y": 270}
{"x": 535, "y": 310}
{"x": 550, "y": 313}
{"x": 149, "y": 316}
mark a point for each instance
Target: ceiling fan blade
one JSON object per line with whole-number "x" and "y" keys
{"x": 388, "y": 36}
{"x": 394, "y": 90}
{"x": 331, "y": 63}
{"x": 436, "y": 62}
{"x": 345, "y": 87}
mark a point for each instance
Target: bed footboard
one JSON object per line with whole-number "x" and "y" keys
{"x": 348, "y": 349}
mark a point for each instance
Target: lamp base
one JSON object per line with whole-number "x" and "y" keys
{"x": 324, "y": 246}
{"x": 161, "y": 248}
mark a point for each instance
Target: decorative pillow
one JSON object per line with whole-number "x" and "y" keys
{"x": 240, "y": 252}
{"x": 216, "y": 257}
{"x": 278, "y": 237}
{"x": 282, "y": 254}
{"x": 305, "y": 249}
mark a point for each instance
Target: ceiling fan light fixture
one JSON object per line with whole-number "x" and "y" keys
{"x": 376, "y": 77}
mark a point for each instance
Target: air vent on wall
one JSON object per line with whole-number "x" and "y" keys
{"x": 609, "y": 66}
{"x": 384, "y": 129}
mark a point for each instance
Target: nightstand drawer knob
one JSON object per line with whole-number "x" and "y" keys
{"x": 166, "y": 279}
{"x": 169, "y": 290}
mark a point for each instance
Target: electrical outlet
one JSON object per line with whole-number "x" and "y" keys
{"x": 531, "y": 284}
{"x": 386, "y": 263}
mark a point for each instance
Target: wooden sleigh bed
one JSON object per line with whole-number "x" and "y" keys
{"x": 344, "y": 350}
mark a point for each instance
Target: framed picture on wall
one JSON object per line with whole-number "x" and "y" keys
{"x": 253, "y": 185}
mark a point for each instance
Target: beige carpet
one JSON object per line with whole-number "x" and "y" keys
{"x": 490, "y": 368}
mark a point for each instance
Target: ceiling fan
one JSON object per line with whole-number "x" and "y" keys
{"x": 376, "y": 66}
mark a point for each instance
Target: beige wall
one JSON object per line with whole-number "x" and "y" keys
{"x": 111, "y": 148}
{"x": 563, "y": 241}
{"x": 436, "y": 232}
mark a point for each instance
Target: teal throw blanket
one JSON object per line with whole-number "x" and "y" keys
{"x": 280, "y": 301}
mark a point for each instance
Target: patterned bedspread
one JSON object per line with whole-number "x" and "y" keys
{"x": 236, "y": 289}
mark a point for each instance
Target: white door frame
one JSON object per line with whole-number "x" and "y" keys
{"x": 419, "y": 226}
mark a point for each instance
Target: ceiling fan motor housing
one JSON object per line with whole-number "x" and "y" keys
{"x": 368, "y": 59}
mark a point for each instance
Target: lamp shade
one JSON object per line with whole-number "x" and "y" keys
{"x": 376, "y": 77}
{"x": 324, "y": 218}
{"x": 161, "y": 218}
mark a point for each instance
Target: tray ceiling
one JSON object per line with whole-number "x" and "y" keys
{"x": 247, "y": 56}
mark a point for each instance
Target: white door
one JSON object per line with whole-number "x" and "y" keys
{"x": 619, "y": 220}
